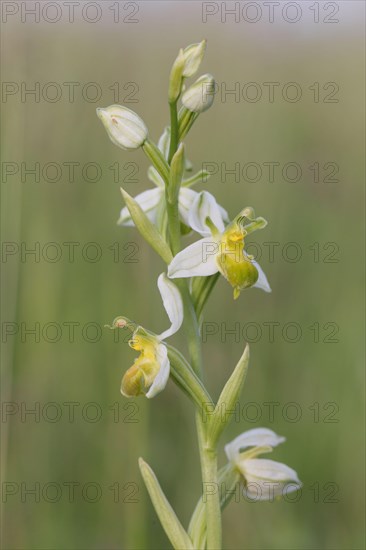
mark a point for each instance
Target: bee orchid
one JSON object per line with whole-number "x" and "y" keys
{"x": 221, "y": 249}
{"x": 150, "y": 372}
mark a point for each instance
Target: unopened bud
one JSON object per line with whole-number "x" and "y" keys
{"x": 193, "y": 56}
{"x": 124, "y": 127}
{"x": 199, "y": 97}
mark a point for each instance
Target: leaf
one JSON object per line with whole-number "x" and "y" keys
{"x": 168, "y": 519}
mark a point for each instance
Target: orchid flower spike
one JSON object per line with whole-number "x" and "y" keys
{"x": 150, "y": 372}
{"x": 264, "y": 479}
{"x": 221, "y": 249}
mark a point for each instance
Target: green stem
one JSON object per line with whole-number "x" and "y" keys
{"x": 174, "y": 130}
{"x": 190, "y": 318}
{"x": 172, "y": 208}
{"x": 173, "y": 223}
{"x": 210, "y": 488}
{"x": 208, "y": 456}
{"x": 229, "y": 477}
{"x": 183, "y": 373}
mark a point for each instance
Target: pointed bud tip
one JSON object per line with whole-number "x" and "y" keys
{"x": 193, "y": 55}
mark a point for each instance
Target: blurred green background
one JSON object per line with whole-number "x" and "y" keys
{"x": 314, "y": 385}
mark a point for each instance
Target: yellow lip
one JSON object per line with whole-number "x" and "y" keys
{"x": 232, "y": 262}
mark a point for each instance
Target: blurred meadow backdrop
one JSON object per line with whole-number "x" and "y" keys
{"x": 78, "y": 452}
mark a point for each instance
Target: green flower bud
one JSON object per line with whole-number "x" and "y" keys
{"x": 199, "y": 97}
{"x": 124, "y": 127}
{"x": 193, "y": 56}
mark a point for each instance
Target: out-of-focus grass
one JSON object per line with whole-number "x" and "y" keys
{"x": 326, "y": 454}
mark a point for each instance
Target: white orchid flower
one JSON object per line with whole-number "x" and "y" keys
{"x": 150, "y": 372}
{"x": 264, "y": 479}
{"x": 223, "y": 250}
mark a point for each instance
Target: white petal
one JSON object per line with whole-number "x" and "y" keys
{"x": 173, "y": 304}
{"x": 265, "y": 468}
{"x": 162, "y": 377}
{"x": 186, "y": 199}
{"x": 204, "y": 206}
{"x": 149, "y": 201}
{"x": 258, "y": 437}
{"x": 269, "y": 490}
{"x": 197, "y": 259}
{"x": 267, "y": 479}
{"x": 262, "y": 281}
